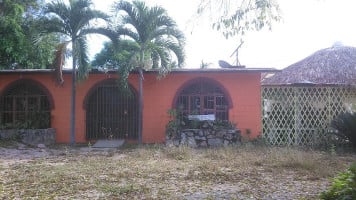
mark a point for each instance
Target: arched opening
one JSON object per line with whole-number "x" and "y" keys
{"x": 25, "y": 104}
{"x": 110, "y": 112}
{"x": 203, "y": 96}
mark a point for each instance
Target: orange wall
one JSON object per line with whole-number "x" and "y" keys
{"x": 243, "y": 88}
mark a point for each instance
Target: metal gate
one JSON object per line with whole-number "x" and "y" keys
{"x": 111, "y": 113}
{"x": 25, "y": 105}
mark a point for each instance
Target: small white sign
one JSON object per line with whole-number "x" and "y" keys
{"x": 210, "y": 117}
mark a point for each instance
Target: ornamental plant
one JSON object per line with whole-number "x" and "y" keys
{"x": 343, "y": 186}
{"x": 345, "y": 124}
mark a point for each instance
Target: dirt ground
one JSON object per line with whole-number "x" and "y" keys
{"x": 158, "y": 172}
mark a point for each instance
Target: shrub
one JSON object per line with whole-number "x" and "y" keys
{"x": 179, "y": 121}
{"x": 343, "y": 186}
{"x": 345, "y": 124}
{"x": 175, "y": 124}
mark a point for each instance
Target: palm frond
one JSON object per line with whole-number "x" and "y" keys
{"x": 154, "y": 31}
{"x": 58, "y": 13}
{"x": 124, "y": 72}
{"x": 160, "y": 19}
{"x": 177, "y": 50}
{"x": 122, "y": 31}
{"x": 82, "y": 15}
{"x": 131, "y": 14}
{"x": 155, "y": 60}
{"x": 107, "y": 32}
{"x": 80, "y": 53}
{"x": 161, "y": 55}
{"x": 80, "y": 4}
{"x": 74, "y": 21}
{"x": 88, "y": 16}
{"x": 172, "y": 47}
{"x": 53, "y": 25}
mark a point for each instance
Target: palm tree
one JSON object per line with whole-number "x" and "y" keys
{"x": 73, "y": 22}
{"x": 158, "y": 38}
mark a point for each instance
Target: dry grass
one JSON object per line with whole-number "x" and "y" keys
{"x": 157, "y": 172}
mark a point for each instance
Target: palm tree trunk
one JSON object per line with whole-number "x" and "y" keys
{"x": 140, "y": 104}
{"x": 72, "y": 109}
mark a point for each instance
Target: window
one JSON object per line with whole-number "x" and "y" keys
{"x": 203, "y": 97}
{"x": 24, "y": 105}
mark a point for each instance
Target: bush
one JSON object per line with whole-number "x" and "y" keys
{"x": 345, "y": 124}
{"x": 343, "y": 186}
{"x": 178, "y": 122}
{"x": 175, "y": 124}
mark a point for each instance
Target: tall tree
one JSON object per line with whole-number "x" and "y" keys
{"x": 73, "y": 22}
{"x": 235, "y": 18}
{"x": 18, "y": 28}
{"x": 111, "y": 57}
{"x": 159, "y": 40}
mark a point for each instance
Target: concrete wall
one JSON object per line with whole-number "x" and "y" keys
{"x": 243, "y": 87}
{"x": 30, "y": 136}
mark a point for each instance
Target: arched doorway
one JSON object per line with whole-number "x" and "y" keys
{"x": 110, "y": 112}
{"x": 25, "y": 104}
{"x": 203, "y": 96}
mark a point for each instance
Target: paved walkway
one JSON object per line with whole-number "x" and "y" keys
{"x": 108, "y": 143}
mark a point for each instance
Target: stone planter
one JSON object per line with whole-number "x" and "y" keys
{"x": 30, "y": 136}
{"x": 206, "y": 137}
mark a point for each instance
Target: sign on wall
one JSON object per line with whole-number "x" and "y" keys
{"x": 210, "y": 117}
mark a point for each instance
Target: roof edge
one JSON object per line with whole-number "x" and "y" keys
{"x": 186, "y": 70}
{"x": 308, "y": 85}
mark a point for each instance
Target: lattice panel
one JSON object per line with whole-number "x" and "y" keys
{"x": 301, "y": 115}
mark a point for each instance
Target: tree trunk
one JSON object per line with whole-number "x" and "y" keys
{"x": 140, "y": 104}
{"x": 72, "y": 108}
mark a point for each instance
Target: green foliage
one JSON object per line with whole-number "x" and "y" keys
{"x": 35, "y": 120}
{"x": 345, "y": 124}
{"x": 178, "y": 122}
{"x": 204, "y": 65}
{"x": 175, "y": 124}
{"x": 73, "y": 23}
{"x": 217, "y": 125}
{"x": 236, "y": 17}
{"x": 18, "y": 27}
{"x": 159, "y": 41}
{"x": 207, "y": 124}
{"x": 113, "y": 58}
{"x": 8, "y": 143}
{"x": 343, "y": 187}
{"x": 258, "y": 141}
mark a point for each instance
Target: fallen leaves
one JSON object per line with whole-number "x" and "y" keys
{"x": 167, "y": 173}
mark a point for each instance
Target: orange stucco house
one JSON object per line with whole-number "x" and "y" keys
{"x": 102, "y": 110}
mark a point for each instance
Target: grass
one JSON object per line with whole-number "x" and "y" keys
{"x": 157, "y": 172}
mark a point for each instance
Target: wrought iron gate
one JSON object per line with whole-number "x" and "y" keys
{"x": 25, "y": 105}
{"x": 111, "y": 113}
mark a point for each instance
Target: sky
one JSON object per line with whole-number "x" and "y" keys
{"x": 306, "y": 27}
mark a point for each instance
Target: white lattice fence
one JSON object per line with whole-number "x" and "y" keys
{"x": 294, "y": 115}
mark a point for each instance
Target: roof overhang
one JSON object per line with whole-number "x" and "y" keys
{"x": 153, "y": 71}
